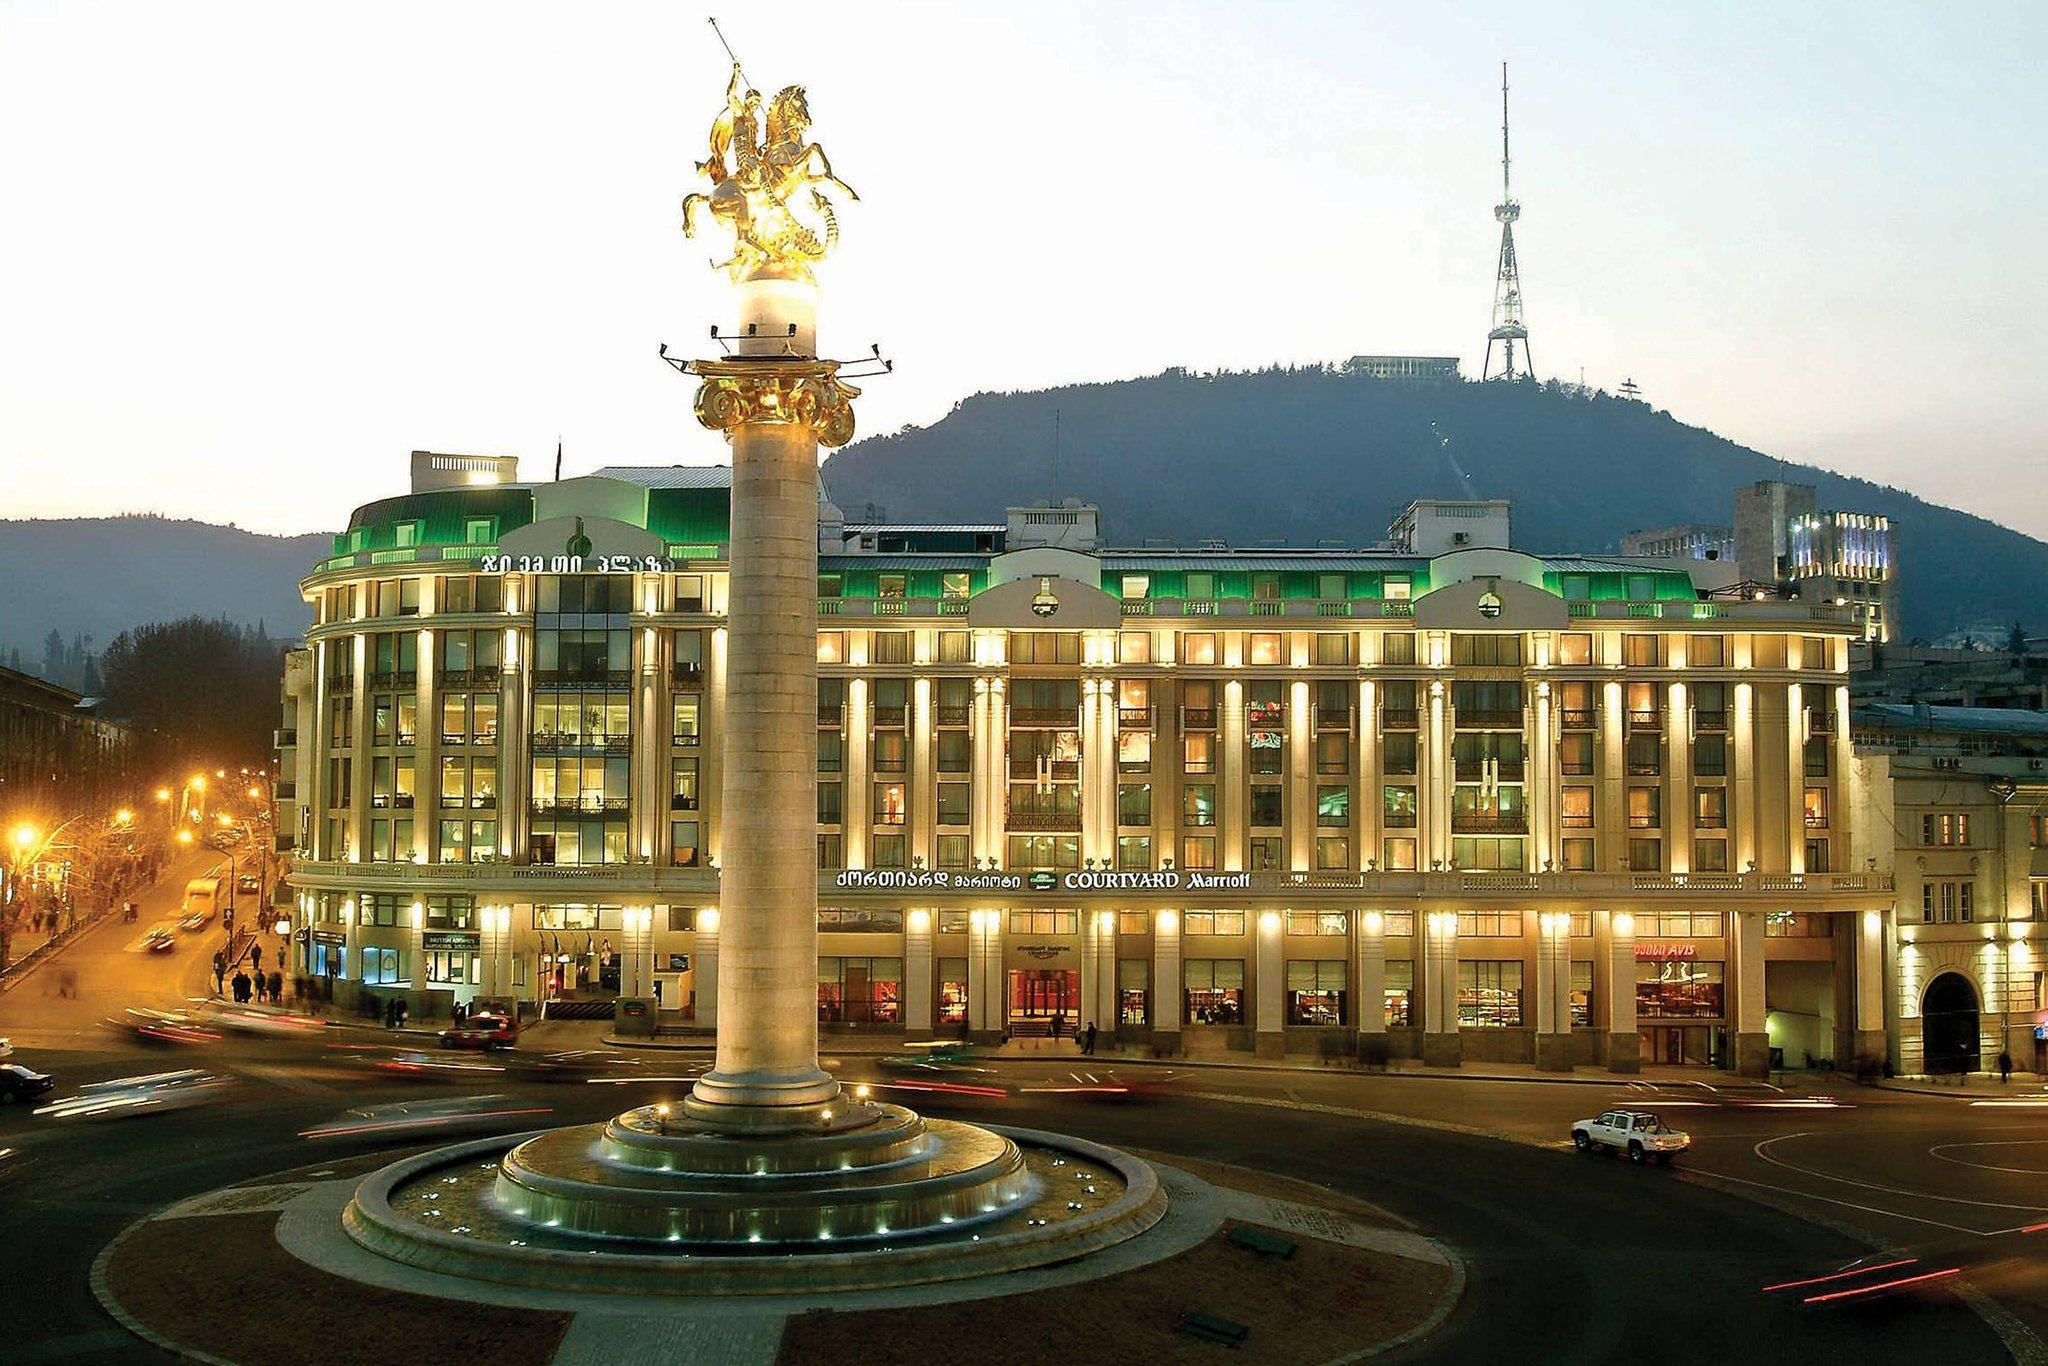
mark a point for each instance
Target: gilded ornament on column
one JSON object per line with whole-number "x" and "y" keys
{"x": 806, "y": 392}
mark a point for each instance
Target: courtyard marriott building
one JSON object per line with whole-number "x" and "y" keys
{"x": 1442, "y": 799}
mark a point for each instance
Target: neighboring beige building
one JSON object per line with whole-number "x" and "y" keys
{"x": 1956, "y": 799}
{"x": 1452, "y": 801}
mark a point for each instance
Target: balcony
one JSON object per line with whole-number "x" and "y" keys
{"x": 1198, "y": 718}
{"x": 484, "y": 676}
{"x": 1645, "y": 770}
{"x": 1134, "y": 718}
{"x": 1571, "y": 821}
{"x": 1646, "y": 720}
{"x": 1575, "y": 718}
{"x": 385, "y": 801}
{"x": 394, "y": 678}
{"x": 1027, "y": 770}
{"x": 557, "y": 742}
{"x": 1819, "y": 722}
{"x": 1400, "y": 718}
{"x": 954, "y": 716}
{"x": 890, "y": 717}
{"x": 1640, "y": 822}
{"x": 1489, "y": 718}
{"x": 584, "y": 678}
{"x": 687, "y": 676}
{"x": 831, "y": 715}
{"x": 1474, "y": 771}
{"x": 1333, "y": 718}
{"x": 1472, "y": 823}
{"x": 1056, "y": 717}
{"x": 284, "y": 738}
{"x": 1398, "y": 820}
{"x": 589, "y": 806}
{"x": 482, "y": 801}
{"x": 682, "y": 802}
{"x": 1043, "y": 822}
{"x": 1709, "y": 721}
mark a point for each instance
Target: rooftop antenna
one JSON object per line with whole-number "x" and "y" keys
{"x": 1055, "y": 457}
{"x": 1630, "y": 389}
{"x": 558, "y": 460}
{"x": 1508, "y": 327}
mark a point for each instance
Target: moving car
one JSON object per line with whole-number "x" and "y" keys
{"x": 202, "y": 896}
{"x": 1638, "y": 1133}
{"x": 485, "y": 1029}
{"x": 128, "y": 1096}
{"x": 579, "y": 1064}
{"x": 195, "y": 921}
{"x": 159, "y": 941}
{"x": 18, "y": 1083}
{"x": 247, "y": 882}
{"x": 158, "y": 1026}
{"x": 253, "y": 1019}
{"x": 453, "y": 1114}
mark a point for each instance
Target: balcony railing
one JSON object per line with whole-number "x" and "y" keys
{"x": 552, "y": 741}
{"x": 681, "y": 802}
{"x": 1575, "y": 822}
{"x": 1819, "y": 722}
{"x": 1134, "y": 718}
{"x": 1044, "y": 716}
{"x": 1198, "y": 718}
{"x": 287, "y": 791}
{"x": 589, "y": 806}
{"x": 1400, "y": 718}
{"x": 1067, "y": 771}
{"x": 1575, "y": 718}
{"x": 954, "y": 716}
{"x": 1645, "y": 770}
{"x": 584, "y": 678}
{"x": 1639, "y": 822}
{"x": 1040, "y": 822}
{"x": 1333, "y": 718}
{"x": 1489, "y": 718}
{"x": 688, "y": 676}
{"x": 1473, "y": 771}
{"x": 1710, "y": 720}
{"x": 394, "y": 678}
{"x": 1646, "y": 720}
{"x": 889, "y": 716}
{"x": 482, "y": 676}
{"x": 830, "y": 715}
{"x": 1475, "y": 824}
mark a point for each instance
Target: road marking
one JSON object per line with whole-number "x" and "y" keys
{"x": 278, "y": 1076}
{"x": 1691, "y": 1170}
{"x": 1869, "y": 1185}
{"x": 1382, "y": 1116}
{"x": 1936, "y": 1152}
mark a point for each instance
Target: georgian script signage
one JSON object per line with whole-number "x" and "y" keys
{"x": 1664, "y": 952}
{"x": 445, "y": 941}
{"x": 937, "y": 880}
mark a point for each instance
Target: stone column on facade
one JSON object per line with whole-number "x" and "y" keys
{"x": 1742, "y": 804}
{"x": 426, "y": 749}
{"x": 1554, "y": 991}
{"x": 1233, "y": 781}
{"x": 1541, "y": 784}
{"x": 1369, "y": 995}
{"x": 491, "y": 925}
{"x": 1269, "y": 1000}
{"x": 1436, "y": 779}
{"x": 923, "y": 825}
{"x": 361, "y": 749}
{"x": 416, "y": 955}
{"x": 1168, "y": 757}
{"x": 856, "y": 819}
{"x": 1442, "y": 1045}
{"x": 1166, "y": 990}
{"x": 347, "y": 984}
{"x": 1624, "y": 1044}
{"x": 988, "y": 983}
{"x": 1091, "y": 969}
{"x": 515, "y": 743}
{"x": 1104, "y": 1001}
{"x": 1611, "y": 824}
{"x": 1752, "y": 1042}
{"x": 1678, "y": 811}
{"x": 1366, "y": 763}
{"x": 704, "y": 969}
{"x": 1869, "y": 1041}
{"x": 918, "y": 967}
{"x": 1098, "y": 770}
{"x": 1795, "y": 779}
{"x": 1302, "y": 828}
{"x": 648, "y": 764}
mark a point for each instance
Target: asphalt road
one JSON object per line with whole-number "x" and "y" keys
{"x": 1572, "y": 1258}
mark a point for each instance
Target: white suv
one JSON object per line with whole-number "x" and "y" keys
{"x": 1636, "y": 1132}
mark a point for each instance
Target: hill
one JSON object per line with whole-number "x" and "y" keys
{"x": 98, "y": 576}
{"x": 1312, "y": 454}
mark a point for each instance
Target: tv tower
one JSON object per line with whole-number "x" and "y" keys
{"x": 1508, "y": 327}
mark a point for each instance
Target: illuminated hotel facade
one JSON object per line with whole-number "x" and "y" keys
{"x": 1442, "y": 799}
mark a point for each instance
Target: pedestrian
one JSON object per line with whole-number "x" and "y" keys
{"x": 241, "y": 983}
{"x": 256, "y": 958}
{"x": 458, "y": 1012}
{"x": 220, "y": 971}
{"x": 1058, "y": 1019}
{"x": 2004, "y": 1065}
{"x": 276, "y": 987}
{"x": 1088, "y": 1046}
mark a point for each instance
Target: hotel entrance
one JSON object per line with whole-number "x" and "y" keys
{"x": 1038, "y": 996}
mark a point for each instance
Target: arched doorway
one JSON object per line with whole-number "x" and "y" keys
{"x": 1948, "y": 1025}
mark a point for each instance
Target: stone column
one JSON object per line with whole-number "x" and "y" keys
{"x": 1441, "y": 1043}
{"x": 1233, "y": 781}
{"x": 1435, "y": 816}
{"x": 1301, "y": 779}
{"x": 1795, "y": 779}
{"x": 1554, "y": 991}
{"x": 1869, "y": 1042}
{"x": 704, "y": 969}
{"x": 1542, "y": 781}
{"x": 1268, "y": 998}
{"x": 1369, "y": 994}
{"x": 1678, "y": 812}
{"x": 426, "y": 751}
{"x": 1742, "y": 806}
{"x": 1611, "y": 818}
{"x": 1752, "y": 1043}
{"x": 917, "y": 974}
{"x": 985, "y": 1002}
{"x": 1105, "y": 999}
{"x": 1166, "y": 999}
{"x": 1624, "y": 1045}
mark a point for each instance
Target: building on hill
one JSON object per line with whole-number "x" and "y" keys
{"x": 1956, "y": 798}
{"x": 1436, "y": 526}
{"x": 1446, "y": 799}
{"x": 58, "y": 754}
{"x": 1781, "y": 539}
{"x": 1406, "y": 369}
{"x": 1951, "y": 678}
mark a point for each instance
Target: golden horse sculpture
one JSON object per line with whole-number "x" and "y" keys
{"x": 768, "y": 189}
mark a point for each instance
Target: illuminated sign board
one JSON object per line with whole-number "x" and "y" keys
{"x": 936, "y": 880}
{"x": 1662, "y": 952}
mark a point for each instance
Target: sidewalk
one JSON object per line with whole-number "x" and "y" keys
{"x": 595, "y": 1033}
{"x": 1977, "y": 1086}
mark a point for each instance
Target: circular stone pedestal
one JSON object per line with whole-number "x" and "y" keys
{"x": 657, "y": 1201}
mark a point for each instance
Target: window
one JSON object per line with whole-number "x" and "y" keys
{"x": 1816, "y": 808}
{"x": 1316, "y": 991}
{"x": 891, "y": 751}
{"x": 1333, "y": 647}
{"x": 1134, "y": 853}
{"x": 1398, "y": 993}
{"x": 1710, "y": 756}
{"x": 891, "y": 807}
{"x": 1333, "y": 753}
{"x": 956, "y": 647}
{"x": 1319, "y": 922}
{"x": 1213, "y": 922}
{"x": 1397, "y": 854}
{"x": 1948, "y": 901}
{"x": 1575, "y": 647}
{"x": 1490, "y": 994}
{"x": 1947, "y": 827}
{"x": 1198, "y": 647}
{"x": 1199, "y": 747}
{"x": 1045, "y": 922}
{"x": 1709, "y": 855}
{"x": 830, "y": 809}
{"x": 1266, "y": 855}
{"x": 1398, "y": 754}
{"x": 689, "y": 593}
{"x": 831, "y": 585}
{"x": 380, "y": 966}
{"x": 1678, "y": 989}
{"x": 886, "y": 851}
{"x": 831, "y": 852}
{"x": 953, "y": 803}
{"x": 1134, "y": 804}
{"x": 1333, "y": 853}
{"x": 1576, "y": 855}
{"x": 955, "y": 587}
{"x": 1582, "y": 995}
{"x": 1266, "y": 806}
{"x": 1645, "y": 856}
{"x": 1134, "y": 647}
{"x": 831, "y": 751}
{"x": 1575, "y": 808}
{"x": 1489, "y": 924}
{"x": 1645, "y": 753}
{"x": 1215, "y": 990}
{"x": 1710, "y": 808}
{"x": 860, "y": 990}
{"x": 1706, "y": 652}
{"x": 1487, "y": 651}
{"x": 1679, "y": 925}
{"x": 952, "y": 851}
{"x": 831, "y": 647}
{"x": 1265, "y": 647}
{"x": 1397, "y": 808}
{"x": 688, "y": 710}
{"x": 1645, "y": 808}
{"x": 890, "y": 587}
{"x": 1198, "y": 804}
{"x": 954, "y": 754}
{"x": 891, "y": 647}
{"x": 1642, "y": 650}
{"x": 1133, "y": 991}
{"x": 1333, "y": 805}
{"x": 685, "y": 850}
{"x": 1575, "y": 754}
{"x": 1396, "y": 588}
{"x": 1200, "y": 584}
{"x": 1135, "y": 587}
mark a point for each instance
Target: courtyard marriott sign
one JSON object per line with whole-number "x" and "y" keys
{"x": 935, "y": 880}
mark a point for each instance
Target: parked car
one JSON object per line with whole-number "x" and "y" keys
{"x": 485, "y": 1029}
{"x": 1638, "y": 1133}
{"x": 18, "y": 1083}
{"x": 6, "y": 1048}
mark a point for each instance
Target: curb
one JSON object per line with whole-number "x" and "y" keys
{"x": 104, "y": 1294}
